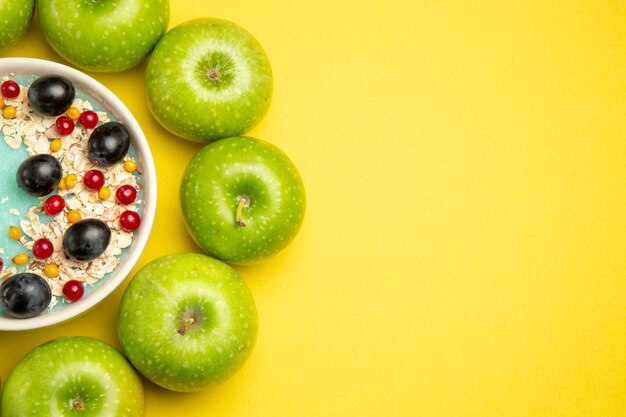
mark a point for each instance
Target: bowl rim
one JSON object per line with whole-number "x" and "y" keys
{"x": 113, "y": 105}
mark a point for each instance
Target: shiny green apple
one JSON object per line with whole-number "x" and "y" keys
{"x": 15, "y": 18}
{"x": 208, "y": 79}
{"x": 242, "y": 199}
{"x": 73, "y": 376}
{"x": 103, "y": 35}
{"x": 187, "y": 321}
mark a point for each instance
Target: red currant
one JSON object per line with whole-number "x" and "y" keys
{"x": 42, "y": 248}
{"x": 88, "y": 119}
{"x": 10, "y": 89}
{"x": 126, "y": 194}
{"x": 1, "y": 264}
{"x": 65, "y": 125}
{"x": 129, "y": 220}
{"x": 54, "y": 205}
{"x": 94, "y": 180}
{"x": 73, "y": 290}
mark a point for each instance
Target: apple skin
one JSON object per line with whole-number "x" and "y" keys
{"x": 103, "y": 35}
{"x": 228, "y": 171}
{"x": 187, "y": 322}
{"x": 16, "y": 19}
{"x": 183, "y": 98}
{"x": 47, "y": 380}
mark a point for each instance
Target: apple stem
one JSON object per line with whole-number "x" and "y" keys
{"x": 214, "y": 75}
{"x": 243, "y": 203}
{"x": 77, "y": 404}
{"x": 186, "y": 326}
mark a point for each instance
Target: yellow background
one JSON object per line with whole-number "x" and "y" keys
{"x": 463, "y": 250}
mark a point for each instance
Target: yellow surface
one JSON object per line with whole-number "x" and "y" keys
{"x": 463, "y": 251}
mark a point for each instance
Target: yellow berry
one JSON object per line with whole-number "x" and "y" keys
{"x": 56, "y": 145}
{"x": 9, "y": 112}
{"x": 21, "y": 259}
{"x": 70, "y": 180}
{"x": 51, "y": 270}
{"x": 74, "y": 216}
{"x": 104, "y": 193}
{"x": 62, "y": 185}
{"x": 73, "y": 113}
{"x": 15, "y": 233}
{"x": 130, "y": 165}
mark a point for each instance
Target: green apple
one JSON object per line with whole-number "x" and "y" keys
{"x": 187, "y": 321}
{"x": 16, "y": 16}
{"x": 242, "y": 199}
{"x": 73, "y": 376}
{"x": 103, "y": 35}
{"x": 208, "y": 79}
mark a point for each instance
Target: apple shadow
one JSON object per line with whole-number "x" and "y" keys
{"x": 187, "y": 402}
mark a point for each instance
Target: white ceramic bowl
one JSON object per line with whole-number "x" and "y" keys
{"x": 115, "y": 107}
